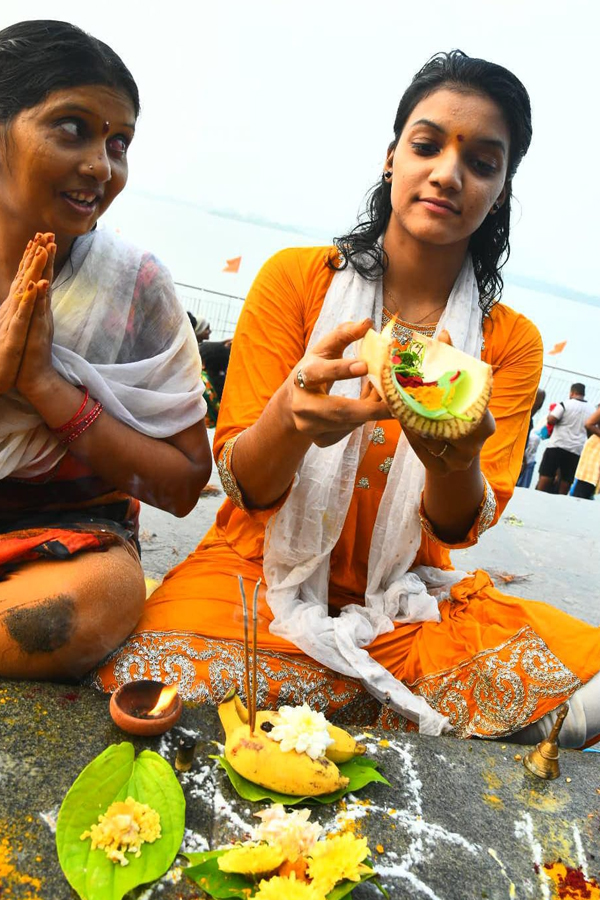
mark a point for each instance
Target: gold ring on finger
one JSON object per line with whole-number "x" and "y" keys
{"x": 300, "y": 380}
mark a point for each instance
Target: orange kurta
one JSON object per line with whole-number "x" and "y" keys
{"x": 493, "y": 664}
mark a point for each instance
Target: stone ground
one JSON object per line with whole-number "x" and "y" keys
{"x": 461, "y": 821}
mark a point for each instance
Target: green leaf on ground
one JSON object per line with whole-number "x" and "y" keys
{"x": 359, "y": 770}
{"x": 115, "y": 775}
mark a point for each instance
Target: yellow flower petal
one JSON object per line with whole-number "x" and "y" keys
{"x": 337, "y": 859}
{"x": 123, "y": 828}
{"x": 259, "y": 860}
{"x": 287, "y": 889}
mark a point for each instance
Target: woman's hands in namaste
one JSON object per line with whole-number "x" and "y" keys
{"x": 316, "y": 414}
{"x": 36, "y": 362}
{"x": 444, "y": 457}
{"x": 17, "y": 310}
{"x": 26, "y": 326}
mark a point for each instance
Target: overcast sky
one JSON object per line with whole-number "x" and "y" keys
{"x": 283, "y": 110}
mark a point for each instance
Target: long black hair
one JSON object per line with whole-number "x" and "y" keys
{"x": 489, "y": 245}
{"x": 45, "y": 55}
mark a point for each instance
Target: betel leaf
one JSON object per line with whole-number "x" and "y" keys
{"x": 219, "y": 885}
{"x": 360, "y": 771}
{"x": 115, "y": 775}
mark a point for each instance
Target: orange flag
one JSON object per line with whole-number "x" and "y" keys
{"x": 558, "y": 348}
{"x": 233, "y": 265}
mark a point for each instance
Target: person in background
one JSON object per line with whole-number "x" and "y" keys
{"x": 533, "y": 441}
{"x": 587, "y": 476}
{"x": 566, "y": 442}
{"x": 215, "y": 359}
{"x": 100, "y": 404}
{"x": 349, "y": 518}
{"x": 193, "y": 320}
{"x": 202, "y": 330}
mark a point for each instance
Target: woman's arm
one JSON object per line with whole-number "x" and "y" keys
{"x": 593, "y": 423}
{"x": 268, "y": 453}
{"x": 272, "y": 420}
{"x": 167, "y": 473}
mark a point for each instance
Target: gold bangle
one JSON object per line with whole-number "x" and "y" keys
{"x": 487, "y": 508}
{"x": 228, "y": 480}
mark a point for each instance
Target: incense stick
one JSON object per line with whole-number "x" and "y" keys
{"x": 246, "y": 650}
{"x": 254, "y": 656}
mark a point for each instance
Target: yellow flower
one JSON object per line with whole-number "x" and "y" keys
{"x": 337, "y": 859}
{"x": 287, "y": 889}
{"x": 247, "y": 860}
{"x": 123, "y": 828}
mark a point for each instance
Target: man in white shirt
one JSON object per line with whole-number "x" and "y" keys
{"x": 566, "y": 441}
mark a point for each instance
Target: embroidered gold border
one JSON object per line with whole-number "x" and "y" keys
{"x": 228, "y": 480}
{"x": 498, "y": 691}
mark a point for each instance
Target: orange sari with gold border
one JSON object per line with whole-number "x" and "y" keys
{"x": 493, "y": 664}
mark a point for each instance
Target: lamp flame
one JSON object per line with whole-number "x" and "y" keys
{"x": 165, "y": 698}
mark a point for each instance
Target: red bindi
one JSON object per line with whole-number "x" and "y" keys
{"x": 460, "y": 137}
{"x": 106, "y": 128}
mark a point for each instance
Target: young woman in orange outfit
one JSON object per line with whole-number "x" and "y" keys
{"x": 348, "y": 520}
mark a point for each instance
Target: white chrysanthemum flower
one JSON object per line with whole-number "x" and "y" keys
{"x": 291, "y": 832}
{"x": 302, "y": 729}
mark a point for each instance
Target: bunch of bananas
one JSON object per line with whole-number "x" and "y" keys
{"x": 259, "y": 758}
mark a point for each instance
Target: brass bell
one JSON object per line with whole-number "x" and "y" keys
{"x": 543, "y": 760}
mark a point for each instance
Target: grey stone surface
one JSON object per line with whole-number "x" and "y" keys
{"x": 552, "y": 545}
{"x": 461, "y": 821}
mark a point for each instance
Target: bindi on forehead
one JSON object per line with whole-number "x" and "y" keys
{"x": 460, "y": 138}
{"x": 106, "y": 128}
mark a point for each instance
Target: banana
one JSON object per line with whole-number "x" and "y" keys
{"x": 258, "y": 758}
{"x": 343, "y": 748}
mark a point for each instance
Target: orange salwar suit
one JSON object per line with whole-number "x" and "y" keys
{"x": 493, "y": 664}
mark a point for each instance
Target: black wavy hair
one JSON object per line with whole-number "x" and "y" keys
{"x": 44, "y": 55}
{"x": 489, "y": 245}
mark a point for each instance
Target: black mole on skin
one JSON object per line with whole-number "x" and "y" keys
{"x": 42, "y": 628}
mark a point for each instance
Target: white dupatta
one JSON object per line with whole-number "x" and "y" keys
{"x": 126, "y": 337}
{"x": 302, "y": 534}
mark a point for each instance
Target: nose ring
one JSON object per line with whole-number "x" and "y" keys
{"x": 90, "y": 167}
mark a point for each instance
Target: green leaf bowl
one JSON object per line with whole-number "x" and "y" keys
{"x": 115, "y": 775}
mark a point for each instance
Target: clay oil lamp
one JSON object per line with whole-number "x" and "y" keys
{"x": 145, "y": 708}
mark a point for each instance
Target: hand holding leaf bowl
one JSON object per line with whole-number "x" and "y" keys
{"x": 434, "y": 389}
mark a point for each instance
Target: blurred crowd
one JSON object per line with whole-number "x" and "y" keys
{"x": 215, "y": 359}
{"x": 570, "y": 463}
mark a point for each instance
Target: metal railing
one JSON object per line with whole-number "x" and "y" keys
{"x": 557, "y": 384}
{"x": 221, "y": 310}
